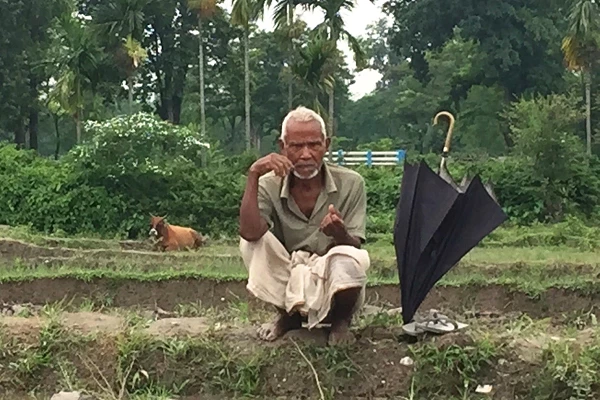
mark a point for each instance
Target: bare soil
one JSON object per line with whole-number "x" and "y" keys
{"x": 210, "y": 293}
{"x": 230, "y": 357}
{"x": 369, "y": 369}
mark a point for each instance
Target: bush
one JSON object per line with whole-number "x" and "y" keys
{"x": 134, "y": 166}
{"x": 553, "y": 165}
{"x": 138, "y": 165}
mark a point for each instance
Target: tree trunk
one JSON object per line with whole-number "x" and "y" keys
{"x": 33, "y": 115}
{"x": 130, "y": 86}
{"x": 78, "y": 112}
{"x": 291, "y": 78}
{"x": 19, "y": 134}
{"x": 588, "y": 112}
{"x": 78, "y": 127}
{"x": 201, "y": 73}
{"x": 290, "y": 92}
{"x": 330, "y": 122}
{"x": 334, "y": 38}
{"x": 33, "y": 128}
{"x": 57, "y": 131}
{"x": 247, "y": 88}
{"x": 176, "y": 104}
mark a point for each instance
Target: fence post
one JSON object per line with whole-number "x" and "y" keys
{"x": 401, "y": 155}
{"x": 340, "y": 160}
{"x": 369, "y": 158}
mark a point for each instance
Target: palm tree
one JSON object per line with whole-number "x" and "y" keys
{"x": 137, "y": 55}
{"x": 243, "y": 13}
{"x": 76, "y": 63}
{"x": 116, "y": 19}
{"x": 290, "y": 31}
{"x": 314, "y": 68}
{"x": 333, "y": 27}
{"x": 121, "y": 24}
{"x": 581, "y": 50}
{"x": 204, "y": 9}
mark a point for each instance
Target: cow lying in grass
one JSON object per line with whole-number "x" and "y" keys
{"x": 173, "y": 237}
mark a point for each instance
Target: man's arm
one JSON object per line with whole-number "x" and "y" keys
{"x": 351, "y": 230}
{"x": 347, "y": 239}
{"x": 252, "y": 225}
{"x": 356, "y": 217}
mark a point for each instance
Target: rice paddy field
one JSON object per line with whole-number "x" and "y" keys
{"x": 115, "y": 320}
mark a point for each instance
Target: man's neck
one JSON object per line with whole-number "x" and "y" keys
{"x": 308, "y": 184}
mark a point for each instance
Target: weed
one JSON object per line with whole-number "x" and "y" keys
{"x": 452, "y": 369}
{"x": 568, "y": 373}
{"x": 232, "y": 372}
{"x": 381, "y": 318}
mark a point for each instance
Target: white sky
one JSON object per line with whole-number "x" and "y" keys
{"x": 364, "y": 14}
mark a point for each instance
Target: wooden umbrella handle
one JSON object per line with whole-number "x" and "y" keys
{"x": 450, "y": 128}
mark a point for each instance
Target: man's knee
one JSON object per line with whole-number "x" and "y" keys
{"x": 342, "y": 265}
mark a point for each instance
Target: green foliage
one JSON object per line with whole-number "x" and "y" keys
{"x": 479, "y": 126}
{"x": 568, "y": 373}
{"x": 541, "y": 129}
{"x": 139, "y": 165}
{"x": 45, "y": 195}
{"x": 130, "y": 147}
{"x": 454, "y": 366}
{"x": 572, "y": 232}
{"x": 134, "y": 166}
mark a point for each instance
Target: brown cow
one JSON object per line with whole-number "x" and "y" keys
{"x": 173, "y": 237}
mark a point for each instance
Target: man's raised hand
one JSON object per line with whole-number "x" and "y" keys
{"x": 333, "y": 224}
{"x": 277, "y": 163}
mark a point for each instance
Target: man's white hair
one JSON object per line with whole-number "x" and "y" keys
{"x": 302, "y": 114}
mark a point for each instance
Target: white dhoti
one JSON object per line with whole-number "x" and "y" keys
{"x": 303, "y": 282}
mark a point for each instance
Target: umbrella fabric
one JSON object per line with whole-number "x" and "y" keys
{"x": 437, "y": 223}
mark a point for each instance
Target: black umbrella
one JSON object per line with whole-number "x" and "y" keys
{"x": 437, "y": 223}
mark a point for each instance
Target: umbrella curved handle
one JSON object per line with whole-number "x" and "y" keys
{"x": 450, "y": 128}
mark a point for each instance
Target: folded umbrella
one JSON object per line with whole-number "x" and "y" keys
{"x": 437, "y": 223}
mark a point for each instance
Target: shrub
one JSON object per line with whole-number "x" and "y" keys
{"x": 552, "y": 158}
{"x": 138, "y": 165}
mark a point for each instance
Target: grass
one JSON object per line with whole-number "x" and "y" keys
{"x": 531, "y": 269}
{"x": 543, "y": 359}
{"x": 229, "y": 363}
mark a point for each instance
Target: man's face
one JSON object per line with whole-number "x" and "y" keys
{"x": 305, "y": 147}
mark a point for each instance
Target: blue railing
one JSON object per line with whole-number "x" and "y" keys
{"x": 368, "y": 157}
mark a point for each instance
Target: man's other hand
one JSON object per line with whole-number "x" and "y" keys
{"x": 278, "y": 163}
{"x": 333, "y": 224}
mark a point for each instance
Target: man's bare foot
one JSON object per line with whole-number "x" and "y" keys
{"x": 340, "y": 334}
{"x": 283, "y": 323}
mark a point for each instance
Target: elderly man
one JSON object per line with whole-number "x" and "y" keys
{"x": 302, "y": 224}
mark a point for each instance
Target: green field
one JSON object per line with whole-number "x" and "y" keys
{"x": 117, "y": 320}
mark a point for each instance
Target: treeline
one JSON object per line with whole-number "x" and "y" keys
{"x": 193, "y": 63}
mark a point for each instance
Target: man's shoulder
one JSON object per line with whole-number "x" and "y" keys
{"x": 270, "y": 182}
{"x": 344, "y": 174}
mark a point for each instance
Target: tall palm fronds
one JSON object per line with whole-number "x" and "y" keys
{"x": 117, "y": 19}
{"x": 315, "y": 69}
{"x": 77, "y": 62}
{"x": 332, "y": 27}
{"x": 137, "y": 55}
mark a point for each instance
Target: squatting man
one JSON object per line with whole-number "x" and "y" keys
{"x": 302, "y": 224}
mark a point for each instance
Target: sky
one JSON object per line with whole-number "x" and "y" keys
{"x": 365, "y": 13}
